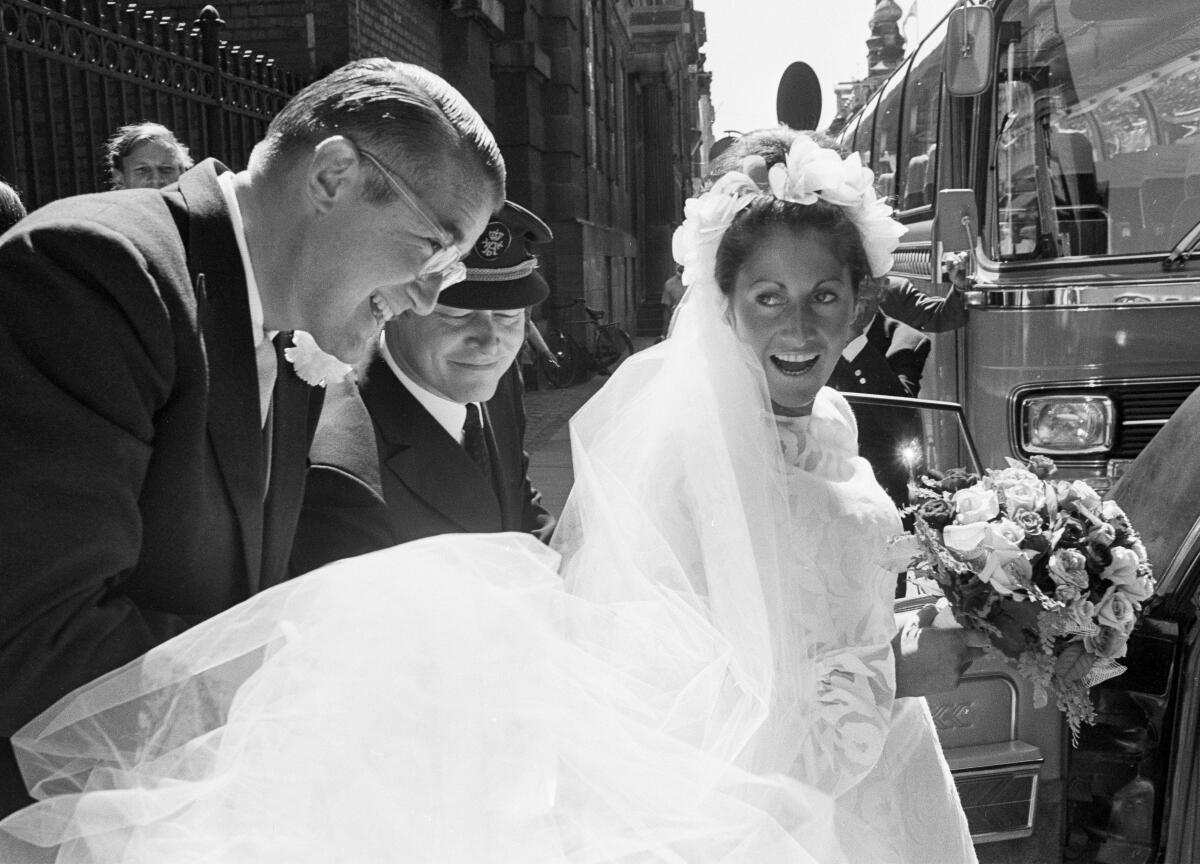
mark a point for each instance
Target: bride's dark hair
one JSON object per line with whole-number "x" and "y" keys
{"x": 754, "y": 223}
{"x": 771, "y": 144}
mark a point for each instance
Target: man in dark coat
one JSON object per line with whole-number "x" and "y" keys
{"x": 887, "y": 358}
{"x": 401, "y": 456}
{"x": 889, "y": 355}
{"x": 153, "y": 432}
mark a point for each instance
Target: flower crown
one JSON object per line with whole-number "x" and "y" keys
{"x": 811, "y": 173}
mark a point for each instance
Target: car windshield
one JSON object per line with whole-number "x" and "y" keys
{"x": 1097, "y": 127}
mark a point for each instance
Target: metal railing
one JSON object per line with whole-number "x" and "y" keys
{"x": 73, "y": 71}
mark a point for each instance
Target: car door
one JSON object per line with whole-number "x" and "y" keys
{"x": 1154, "y": 814}
{"x": 1129, "y": 791}
{"x": 1001, "y": 751}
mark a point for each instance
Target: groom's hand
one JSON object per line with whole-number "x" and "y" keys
{"x": 932, "y": 659}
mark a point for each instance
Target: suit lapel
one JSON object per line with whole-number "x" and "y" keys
{"x": 419, "y": 453}
{"x": 233, "y": 415}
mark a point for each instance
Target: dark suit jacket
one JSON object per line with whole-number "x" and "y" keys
{"x": 132, "y": 502}
{"x": 384, "y": 471}
{"x": 927, "y": 312}
{"x": 890, "y": 364}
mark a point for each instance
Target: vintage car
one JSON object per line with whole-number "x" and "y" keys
{"x": 1128, "y": 793}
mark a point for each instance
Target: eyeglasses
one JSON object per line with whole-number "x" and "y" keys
{"x": 445, "y": 261}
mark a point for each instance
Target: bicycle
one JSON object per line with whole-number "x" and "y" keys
{"x": 568, "y": 361}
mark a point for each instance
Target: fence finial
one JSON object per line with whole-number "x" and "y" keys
{"x": 210, "y": 15}
{"x": 209, "y": 23}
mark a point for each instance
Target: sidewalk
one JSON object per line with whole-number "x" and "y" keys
{"x": 547, "y": 437}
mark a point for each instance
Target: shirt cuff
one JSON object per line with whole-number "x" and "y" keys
{"x": 854, "y": 347}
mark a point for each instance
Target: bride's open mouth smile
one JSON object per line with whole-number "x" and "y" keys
{"x": 795, "y": 363}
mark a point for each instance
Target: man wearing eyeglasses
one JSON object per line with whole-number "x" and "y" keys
{"x": 431, "y": 439}
{"x": 154, "y": 436}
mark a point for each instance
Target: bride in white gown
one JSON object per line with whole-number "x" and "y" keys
{"x": 700, "y": 670}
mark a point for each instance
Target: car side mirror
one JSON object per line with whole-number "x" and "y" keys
{"x": 970, "y": 43}
{"x": 955, "y": 229}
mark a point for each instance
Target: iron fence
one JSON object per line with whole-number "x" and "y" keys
{"x": 73, "y": 71}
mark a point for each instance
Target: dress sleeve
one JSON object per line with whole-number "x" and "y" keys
{"x": 855, "y": 692}
{"x": 848, "y": 614}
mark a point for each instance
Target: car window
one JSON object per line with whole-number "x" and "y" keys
{"x": 886, "y": 140}
{"x": 904, "y": 439}
{"x": 866, "y": 126}
{"x": 1097, "y": 129}
{"x": 922, "y": 100}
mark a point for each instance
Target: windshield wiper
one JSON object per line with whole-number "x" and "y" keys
{"x": 1182, "y": 250}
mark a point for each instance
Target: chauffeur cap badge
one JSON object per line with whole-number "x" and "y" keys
{"x": 501, "y": 268}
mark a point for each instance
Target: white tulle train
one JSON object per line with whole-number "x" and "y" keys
{"x": 442, "y": 701}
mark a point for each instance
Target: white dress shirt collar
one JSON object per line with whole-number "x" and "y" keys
{"x": 854, "y": 346}
{"x": 450, "y": 415}
{"x": 225, "y": 181}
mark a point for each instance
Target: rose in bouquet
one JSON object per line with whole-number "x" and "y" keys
{"x": 1053, "y": 574}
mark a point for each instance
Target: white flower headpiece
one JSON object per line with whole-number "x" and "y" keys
{"x": 811, "y": 173}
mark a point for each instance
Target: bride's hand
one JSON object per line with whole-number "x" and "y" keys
{"x": 932, "y": 659}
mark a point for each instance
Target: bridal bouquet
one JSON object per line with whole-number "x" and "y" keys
{"x": 1054, "y": 575}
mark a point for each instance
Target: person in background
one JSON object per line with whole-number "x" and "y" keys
{"x": 12, "y": 210}
{"x": 145, "y": 156}
{"x": 888, "y": 354}
{"x": 535, "y": 347}
{"x": 431, "y": 441}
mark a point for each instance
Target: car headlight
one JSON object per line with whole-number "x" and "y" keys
{"x": 1067, "y": 423}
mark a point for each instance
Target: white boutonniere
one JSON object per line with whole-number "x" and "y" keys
{"x": 314, "y": 366}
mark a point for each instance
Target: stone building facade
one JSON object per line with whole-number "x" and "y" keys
{"x": 597, "y": 105}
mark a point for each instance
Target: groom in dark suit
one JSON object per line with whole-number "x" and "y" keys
{"x": 432, "y": 440}
{"x": 153, "y": 432}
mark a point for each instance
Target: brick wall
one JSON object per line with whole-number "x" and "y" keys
{"x": 407, "y": 30}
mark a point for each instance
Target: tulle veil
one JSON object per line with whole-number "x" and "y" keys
{"x": 680, "y": 497}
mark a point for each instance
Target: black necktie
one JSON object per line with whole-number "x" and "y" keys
{"x": 474, "y": 442}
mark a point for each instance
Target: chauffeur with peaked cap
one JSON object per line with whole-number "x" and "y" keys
{"x": 431, "y": 441}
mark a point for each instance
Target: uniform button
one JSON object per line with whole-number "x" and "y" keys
{"x": 862, "y": 380}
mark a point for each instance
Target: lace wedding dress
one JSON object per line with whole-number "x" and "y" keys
{"x": 698, "y": 671}
{"x": 879, "y": 755}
